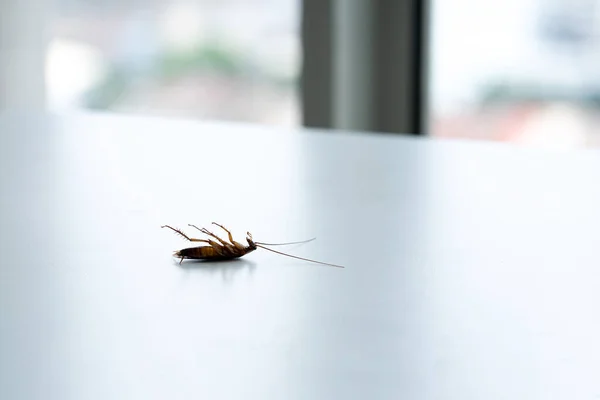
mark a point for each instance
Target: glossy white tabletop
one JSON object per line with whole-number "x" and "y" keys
{"x": 472, "y": 269}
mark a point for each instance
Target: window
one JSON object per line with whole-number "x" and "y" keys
{"x": 227, "y": 59}
{"x": 521, "y": 71}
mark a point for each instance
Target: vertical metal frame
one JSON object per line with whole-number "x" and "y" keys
{"x": 364, "y": 65}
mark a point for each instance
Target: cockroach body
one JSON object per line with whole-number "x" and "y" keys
{"x": 223, "y": 250}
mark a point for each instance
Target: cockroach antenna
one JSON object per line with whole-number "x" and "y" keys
{"x": 285, "y": 244}
{"x": 299, "y": 258}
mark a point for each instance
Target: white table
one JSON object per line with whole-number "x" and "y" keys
{"x": 472, "y": 269}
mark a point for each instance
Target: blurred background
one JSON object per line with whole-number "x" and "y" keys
{"x": 518, "y": 71}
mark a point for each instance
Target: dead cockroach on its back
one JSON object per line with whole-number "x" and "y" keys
{"x": 223, "y": 250}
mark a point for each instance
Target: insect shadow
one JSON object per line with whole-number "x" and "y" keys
{"x": 227, "y": 268}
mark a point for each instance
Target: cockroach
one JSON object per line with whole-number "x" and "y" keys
{"x": 223, "y": 250}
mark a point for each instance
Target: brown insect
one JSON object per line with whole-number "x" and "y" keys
{"x": 223, "y": 250}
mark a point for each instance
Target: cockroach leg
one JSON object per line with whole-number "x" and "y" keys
{"x": 236, "y": 244}
{"x": 178, "y": 231}
{"x": 226, "y": 230}
{"x": 209, "y": 233}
